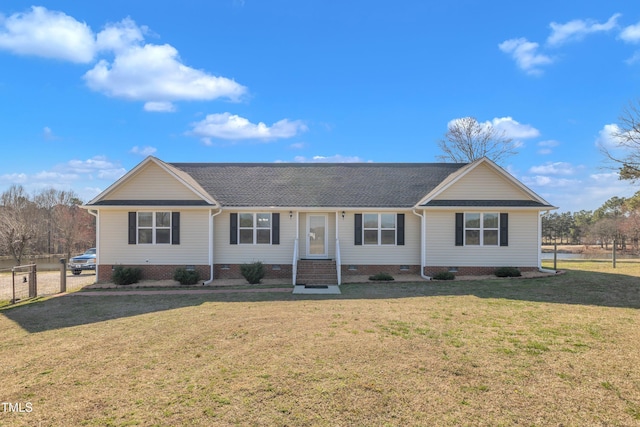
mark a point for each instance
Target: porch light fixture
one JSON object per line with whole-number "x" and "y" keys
{"x": 342, "y": 214}
{"x": 290, "y": 214}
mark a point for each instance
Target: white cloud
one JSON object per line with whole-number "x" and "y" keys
{"x": 607, "y": 137}
{"x": 526, "y": 55}
{"x": 48, "y": 134}
{"x": 233, "y": 127}
{"x": 14, "y": 178}
{"x": 577, "y": 29}
{"x": 631, "y": 34}
{"x": 160, "y": 107}
{"x": 605, "y": 178}
{"x": 49, "y": 34}
{"x": 514, "y": 129}
{"x": 120, "y": 36}
{"x": 151, "y": 73}
{"x": 547, "y": 146}
{"x": 297, "y": 145}
{"x": 154, "y": 73}
{"x": 96, "y": 171}
{"x": 582, "y": 191}
{"x": 599, "y": 188}
{"x": 337, "y": 158}
{"x": 635, "y": 58}
{"x": 97, "y": 166}
{"x": 553, "y": 168}
{"x": 548, "y": 181}
{"x": 55, "y": 177}
{"x": 548, "y": 143}
{"x": 143, "y": 151}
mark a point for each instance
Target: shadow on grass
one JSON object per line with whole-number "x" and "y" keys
{"x": 574, "y": 287}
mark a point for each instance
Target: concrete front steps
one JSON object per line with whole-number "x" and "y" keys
{"x": 316, "y": 272}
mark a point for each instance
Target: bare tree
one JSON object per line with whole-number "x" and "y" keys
{"x": 75, "y": 226}
{"x": 68, "y": 225}
{"x": 626, "y": 151}
{"x": 467, "y": 140}
{"x": 18, "y": 218}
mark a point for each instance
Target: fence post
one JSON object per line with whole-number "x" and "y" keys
{"x": 63, "y": 275}
{"x": 33, "y": 282}
{"x": 613, "y": 257}
{"x": 13, "y": 283}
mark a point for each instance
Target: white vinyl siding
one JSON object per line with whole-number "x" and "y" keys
{"x": 152, "y": 183}
{"x": 407, "y": 254}
{"x": 226, "y": 253}
{"x": 192, "y": 250}
{"x": 521, "y": 252}
{"x": 483, "y": 183}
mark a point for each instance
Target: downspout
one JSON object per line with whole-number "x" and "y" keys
{"x": 337, "y": 250}
{"x": 95, "y": 213}
{"x": 423, "y": 248}
{"x": 211, "y": 248}
{"x": 540, "y": 269}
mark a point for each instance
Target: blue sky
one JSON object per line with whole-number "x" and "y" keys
{"x": 89, "y": 89}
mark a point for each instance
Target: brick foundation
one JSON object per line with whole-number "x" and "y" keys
{"x": 271, "y": 271}
{"x": 152, "y": 272}
{"x": 470, "y": 271}
{"x": 284, "y": 272}
{"x": 369, "y": 270}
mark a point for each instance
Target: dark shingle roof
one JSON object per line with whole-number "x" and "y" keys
{"x": 144, "y": 202}
{"x": 485, "y": 203}
{"x": 318, "y": 184}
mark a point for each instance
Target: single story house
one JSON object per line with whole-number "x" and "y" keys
{"x": 309, "y": 222}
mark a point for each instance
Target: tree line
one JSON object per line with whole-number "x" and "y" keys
{"x": 617, "y": 220}
{"x": 48, "y": 222}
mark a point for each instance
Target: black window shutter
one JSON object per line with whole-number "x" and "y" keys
{"x": 132, "y": 228}
{"x": 504, "y": 229}
{"x": 233, "y": 229}
{"x": 275, "y": 228}
{"x": 400, "y": 229}
{"x": 175, "y": 228}
{"x": 459, "y": 229}
{"x": 357, "y": 238}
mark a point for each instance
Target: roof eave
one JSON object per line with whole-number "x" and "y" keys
{"x": 167, "y": 168}
{"x": 456, "y": 176}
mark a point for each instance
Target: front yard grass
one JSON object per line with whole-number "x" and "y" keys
{"x": 560, "y": 350}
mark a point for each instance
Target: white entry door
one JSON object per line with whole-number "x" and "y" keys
{"x": 317, "y": 236}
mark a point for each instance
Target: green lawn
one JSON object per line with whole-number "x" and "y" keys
{"x": 560, "y": 350}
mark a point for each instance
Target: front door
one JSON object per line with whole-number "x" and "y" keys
{"x": 317, "y": 236}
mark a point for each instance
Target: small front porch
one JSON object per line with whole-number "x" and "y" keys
{"x": 316, "y": 257}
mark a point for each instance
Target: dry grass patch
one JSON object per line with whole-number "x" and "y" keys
{"x": 554, "y": 351}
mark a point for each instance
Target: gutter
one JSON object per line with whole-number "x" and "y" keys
{"x": 422, "y": 245}
{"x": 211, "y": 248}
{"x": 540, "y": 269}
{"x": 94, "y": 212}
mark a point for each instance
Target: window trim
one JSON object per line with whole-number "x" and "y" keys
{"x": 379, "y": 229}
{"x": 154, "y": 227}
{"x": 481, "y": 229}
{"x": 254, "y": 227}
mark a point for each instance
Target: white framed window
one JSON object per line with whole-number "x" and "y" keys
{"x": 254, "y": 228}
{"x": 481, "y": 229}
{"x": 379, "y": 228}
{"x": 154, "y": 228}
